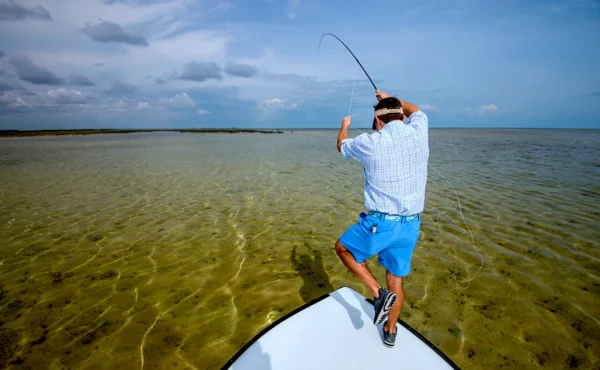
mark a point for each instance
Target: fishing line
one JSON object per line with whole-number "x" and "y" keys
{"x": 351, "y": 98}
{"x": 469, "y": 278}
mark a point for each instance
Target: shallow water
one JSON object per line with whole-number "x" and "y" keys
{"x": 169, "y": 250}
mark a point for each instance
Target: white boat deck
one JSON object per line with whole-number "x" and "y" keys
{"x": 336, "y": 332}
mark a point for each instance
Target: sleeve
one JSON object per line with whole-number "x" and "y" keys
{"x": 358, "y": 148}
{"x": 419, "y": 120}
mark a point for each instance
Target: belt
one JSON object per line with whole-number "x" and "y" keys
{"x": 397, "y": 218}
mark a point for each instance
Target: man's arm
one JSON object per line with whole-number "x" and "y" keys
{"x": 409, "y": 108}
{"x": 343, "y": 135}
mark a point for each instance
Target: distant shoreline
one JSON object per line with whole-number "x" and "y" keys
{"x": 19, "y": 133}
{"x": 35, "y": 133}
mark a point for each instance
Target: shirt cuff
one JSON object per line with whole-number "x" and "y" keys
{"x": 344, "y": 148}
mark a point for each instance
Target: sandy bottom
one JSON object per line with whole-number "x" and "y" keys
{"x": 172, "y": 251}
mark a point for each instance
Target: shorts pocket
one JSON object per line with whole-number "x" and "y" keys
{"x": 380, "y": 240}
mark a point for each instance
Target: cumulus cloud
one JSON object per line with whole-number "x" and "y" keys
{"x": 488, "y": 108}
{"x": 13, "y": 100}
{"x": 12, "y": 10}
{"x": 202, "y": 111}
{"x": 106, "y": 32}
{"x": 240, "y": 70}
{"x": 143, "y": 105}
{"x": 293, "y": 6}
{"x": 201, "y": 71}
{"x": 63, "y": 92}
{"x": 28, "y": 71}
{"x": 277, "y": 103}
{"x": 63, "y": 96}
{"x": 120, "y": 106}
{"x": 120, "y": 87}
{"x": 80, "y": 80}
{"x": 178, "y": 101}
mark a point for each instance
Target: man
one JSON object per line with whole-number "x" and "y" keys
{"x": 395, "y": 168}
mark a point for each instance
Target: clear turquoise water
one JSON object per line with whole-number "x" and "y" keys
{"x": 167, "y": 250}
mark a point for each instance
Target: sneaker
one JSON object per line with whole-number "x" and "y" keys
{"x": 389, "y": 339}
{"x": 383, "y": 304}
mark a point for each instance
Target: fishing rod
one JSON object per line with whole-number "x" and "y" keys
{"x": 355, "y": 58}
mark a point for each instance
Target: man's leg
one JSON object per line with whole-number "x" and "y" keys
{"x": 360, "y": 270}
{"x": 394, "y": 284}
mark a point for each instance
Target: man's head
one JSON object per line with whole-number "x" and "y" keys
{"x": 387, "y": 110}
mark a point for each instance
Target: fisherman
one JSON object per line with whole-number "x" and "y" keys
{"x": 395, "y": 168}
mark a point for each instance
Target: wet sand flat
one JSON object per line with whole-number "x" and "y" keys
{"x": 172, "y": 250}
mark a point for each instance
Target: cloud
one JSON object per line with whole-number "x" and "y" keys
{"x": 2, "y": 54}
{"x": 54, "y": 100}
{"x": 80, "y": 80}
{"x": 597, "y": 93}
{"x": 277, "y": 103}
{"x": 120, "y": 87}
{"x": 106, "y": 32}
{"x": 427, "y": 107}
{"x": 143, "y": 105}
{"x": 202, "y": 111}
{"x": 9, "y": 82}
{"x": 201, "y": 71}
{"x": 28, "y": 71}
{"x": 159, "y": 81}
{"x": 13, "y": 101}
{"x": 178, "y": 101}
{"x": 488, "y": 108}
{"x": 240, "y": 70}
{"x": 98, "y": 64}
{"x": 293, "y": 6}
{"x": 63, "y": 96}
{"x": 11, "y": 10}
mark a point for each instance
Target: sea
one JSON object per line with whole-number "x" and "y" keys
{"x": 172, "y": 250}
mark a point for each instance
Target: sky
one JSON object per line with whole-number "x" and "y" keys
{"x": 68, "y": 64}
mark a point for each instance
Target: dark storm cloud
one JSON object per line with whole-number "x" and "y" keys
{"x": 111, "y": 32}
{"x": 80, "y": 80}
{"x": 28, "y": 71}
{"x": 201, "y": 71}
{"x": 240, "y": 70}
{"x": 120, "y": 87}
{"x": 12, "y": 10}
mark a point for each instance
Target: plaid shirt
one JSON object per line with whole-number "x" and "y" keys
{"x": 395, "y": 165}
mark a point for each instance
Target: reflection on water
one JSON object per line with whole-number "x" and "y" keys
{"x": 173, "y": 250}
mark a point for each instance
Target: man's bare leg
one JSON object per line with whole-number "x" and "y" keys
{"x": 394, "y": 284}
{"x": 360, "y": 270}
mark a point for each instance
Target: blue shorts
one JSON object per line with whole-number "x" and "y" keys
{"x": 394, "y": 242}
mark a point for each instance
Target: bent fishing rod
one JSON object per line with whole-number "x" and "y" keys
{"x": 357, "y": 61}
{"x": 355, "y": 58}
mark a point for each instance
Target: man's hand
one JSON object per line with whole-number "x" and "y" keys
{"x": 409, "y": 108}
{"x": 346, "y": 121}
{"x": 381, "y": 95}
{"x": 343, "y": 135}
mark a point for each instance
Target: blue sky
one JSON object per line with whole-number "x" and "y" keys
{"x": 183, "y": 63}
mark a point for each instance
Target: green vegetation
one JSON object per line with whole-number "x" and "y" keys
{"x": 19, "y": 133}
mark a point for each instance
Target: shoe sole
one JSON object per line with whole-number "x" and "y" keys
{"x": 385, "y": 309}
{"x": 388, "y": 345}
